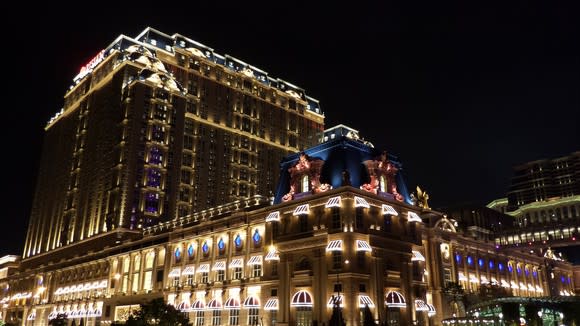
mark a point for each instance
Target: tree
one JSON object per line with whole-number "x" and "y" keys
{"x": 336, "y": 318}
{"x": 59, "y": 320}
{"x": 157, "y": 312}
{"x": 368, "y": 319}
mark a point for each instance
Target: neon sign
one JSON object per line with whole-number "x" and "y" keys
{"x": 86, "y": 69}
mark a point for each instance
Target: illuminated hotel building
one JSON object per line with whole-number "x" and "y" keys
{"x": 158, "y": 127}
{"x": 342, "y": 231}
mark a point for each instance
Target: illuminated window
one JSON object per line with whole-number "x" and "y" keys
{"x": 305, "y": 183}
{"x": 383, "y": 184}
{"x": 234, "y": 316}
{"x": 237, "y": 273}
{"x": 256, "y": 270}
{"x": 253, "y": 316}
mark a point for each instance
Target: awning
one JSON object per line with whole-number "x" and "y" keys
{"x": 360, "y": 202}
{"x": 333, "y": 202}
{"x": 272, "y": 255}
{"x": 420, "y": 305}
{"x": 431, "y": 311}
{"x": 271, "y": 304}
{"x": 189, "y": 270}
{"x": 505, "y": 284}
{"x": 232, "y": 303}
{"x": 473, "y": 278}
{"x": 462, "y": 277}
{"x": 198, "y": 305}
{"x": 32, "y": 316}
{"x": 395, "y": 299}
{"x": 219, "y": 266}
{"x": 334, "y": 245}
{"x": 362, "y": 245}
{"x": 214, "y": 304}
{"x": 417, "y": 256}
{"x": 301, "y": 210}
{"x": 176, "y": 272}
{"x": 52, "y": 315}
{"x": 389, "y": 210}
{"x": 255, "y": 260}
{"x": 332, "y": 301}
{"x": 301, "y": 299}
{"x": 183, "y": 306}
{"x": 252, "y": 302}
{"x": 203, "y": 268}
{"x": 365, "y": 300}
{"x": 413, "y": 217}
{"x": 273, "y": 217}
{"x": 237, "y": 262}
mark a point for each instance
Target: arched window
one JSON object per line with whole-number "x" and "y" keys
{"x": 305, "y": 183}
{"x": 383, "y": 183}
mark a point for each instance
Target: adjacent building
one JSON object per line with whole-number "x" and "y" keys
{"x": 158, "y": 127}
{"x": 341, "y": 233}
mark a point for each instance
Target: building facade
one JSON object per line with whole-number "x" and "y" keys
{"x": 160, "y": 126}
{"x": 341, "y": 232}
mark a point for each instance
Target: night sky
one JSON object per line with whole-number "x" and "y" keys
{"x": 460, "y": 93}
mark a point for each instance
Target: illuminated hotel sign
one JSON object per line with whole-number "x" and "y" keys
{"x": 86, "y": 69}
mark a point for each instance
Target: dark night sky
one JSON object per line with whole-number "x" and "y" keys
{"x": 460, "y": 93}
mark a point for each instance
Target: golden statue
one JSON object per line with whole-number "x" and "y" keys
{"x": 422, "y": 198}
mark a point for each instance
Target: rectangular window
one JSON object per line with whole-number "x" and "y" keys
{"x": 303, "y": 222}
{"x": 360, "y": 258}
{"x": 175, "y": 282}
{"x": 256, "y": 270}
{"x": 359, "y": 218}
{"x": 220, "y": 277}
{"x": 273, "y": 317}
{"x": 335, "y": 217}
{"x": 216, "y": 317}
{"x": 362, "y": 287}
{"x": 199, "y": 318}
{"x": 237, "y": 273}
{"x": 388, "y": 223}
{"x": 147, "y": 281}
{"x": 204, "y": 277}
{"x": 190, "y": 279}
{"x": 274, "y": 268}
{"x": 253, "y": 315}
{"x": 234, "y": 316}
{"x": 446, "y": 276}
{"x": 336, "y": 260}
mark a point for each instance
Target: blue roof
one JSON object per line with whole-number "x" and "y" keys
{"x": 339, "y": 155}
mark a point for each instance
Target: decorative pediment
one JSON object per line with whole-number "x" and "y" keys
{"x": 382, "y": 177}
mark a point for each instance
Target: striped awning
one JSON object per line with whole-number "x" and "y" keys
{"x": 255, "y": 260}
{"x": 273, "y": 217}
{"x": 189, "y": 270}
{"x": 395, "y": 299}
{"x": 198, "y": 305}
{"x": 232, "y": 303}
{"x": 431, "y": 311}
{"x": 413, "y": 217}
{"x": 505, "y": 284}
{"x": 219, "y": 266}
{"x": 334, "y": 245}
{"x": 52, "y": 315}
{"x": 301, "y": 210}
{"x": 301, "y": 299}
{"x": 333, "y": 202}
{"x": 461, "y": 277}
{"x": 417, "y": 256}
{"x": 272, "y": 255}
{"x": 365, "y": 300}
{"x": 362, "y": 245}
{"x": 420, "y": 305}
{"x": 203, "y": 268}
{"x": 271, "y": 304}
{"x": 237, "y": 262}
{"x": 176, "y": 272}
{"x": 32, "y": 316}
{"x": 214, "y": 304}
{"x": 389, "y": 210}
{"x": 183, "y": 306}
{"x": 252, "y": 302}
{"x": 360, "y": 202}
{"x": 332, "y": 301}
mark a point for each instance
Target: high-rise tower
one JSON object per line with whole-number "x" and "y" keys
{"x": 158, "y": 127}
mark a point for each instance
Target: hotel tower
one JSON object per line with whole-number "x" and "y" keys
{"x": 158, "y": 127}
